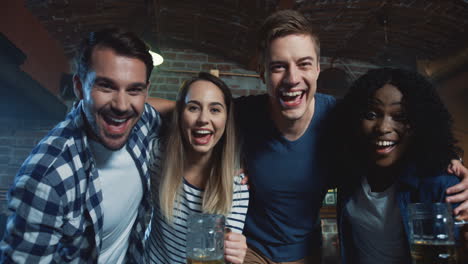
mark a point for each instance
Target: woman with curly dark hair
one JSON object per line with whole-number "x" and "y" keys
{"x": 396, "y": 138}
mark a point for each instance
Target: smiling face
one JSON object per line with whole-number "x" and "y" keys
{"x": 385, "y": 127}
{"x": 203, "y": 117}
{"x": 291, "y": 72}
{"x": 114, "y": 95}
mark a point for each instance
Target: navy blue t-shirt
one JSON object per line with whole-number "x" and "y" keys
{"x": 288, "y": 179}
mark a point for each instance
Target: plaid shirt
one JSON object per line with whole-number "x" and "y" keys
{"x": 56, "y": 197}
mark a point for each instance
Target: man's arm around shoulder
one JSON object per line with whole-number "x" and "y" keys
{"x": 163, "y": 106}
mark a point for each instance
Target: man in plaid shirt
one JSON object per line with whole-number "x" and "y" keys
{"x": 82, "y": 194}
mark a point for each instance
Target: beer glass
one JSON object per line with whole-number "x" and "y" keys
{"x": 205, "y": 239}
{"x": 431, "y": 231}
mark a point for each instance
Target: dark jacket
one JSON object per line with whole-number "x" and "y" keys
{"x": 413, "y": 186}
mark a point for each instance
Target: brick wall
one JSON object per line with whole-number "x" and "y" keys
{"x": 181, "y": 64}
{"x": 17, "y": 138}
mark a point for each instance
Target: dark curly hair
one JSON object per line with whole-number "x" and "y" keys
{"x": 433, "y": 143}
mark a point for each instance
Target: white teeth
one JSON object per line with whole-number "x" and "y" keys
{"x": 297, "y": 93}
{"x": 385, "y": 143}
{"x": 118, "y": 120}
{"x": 202, "y": 132}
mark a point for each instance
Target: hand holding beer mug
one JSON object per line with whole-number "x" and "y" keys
{"x": 205, "y": 239}
{"x": 431, "y": 230}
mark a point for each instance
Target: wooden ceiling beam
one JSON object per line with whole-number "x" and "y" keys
{"x": 367, "y": 26}
{"x": 313, "y": 6}
{"x": 427, "y": 29}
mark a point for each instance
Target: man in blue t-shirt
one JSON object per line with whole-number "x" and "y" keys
{"x": 285, "y": 147}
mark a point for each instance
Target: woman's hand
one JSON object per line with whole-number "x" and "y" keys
{"x": 459, "y": 192}
{"x": 235, "y": 247}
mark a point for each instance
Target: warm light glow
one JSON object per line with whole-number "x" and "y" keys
{"x": 157, "y": 59}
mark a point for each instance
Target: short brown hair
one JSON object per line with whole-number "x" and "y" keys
{"x": 124, "y": 43}
{"x": 280, "y": 24}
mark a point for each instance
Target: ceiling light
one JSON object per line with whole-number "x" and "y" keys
{"x": 157, "y": 58}
{"x": 151, "y": 40}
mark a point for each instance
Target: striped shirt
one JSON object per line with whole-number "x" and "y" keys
{"x": 166, "y": 242}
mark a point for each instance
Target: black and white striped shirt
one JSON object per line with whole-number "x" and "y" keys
{"x": 166, "y": 242}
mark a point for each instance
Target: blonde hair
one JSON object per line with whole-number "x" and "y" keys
{"x": 218, "y": 192}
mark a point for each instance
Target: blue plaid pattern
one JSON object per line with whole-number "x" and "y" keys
{"x": 56, "y": 197}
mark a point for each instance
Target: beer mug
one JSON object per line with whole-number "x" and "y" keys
{"x": 205, "y": 239}
{"x": 431, "y": 231}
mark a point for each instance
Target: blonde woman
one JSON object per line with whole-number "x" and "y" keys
{"x": 196, "y": 172}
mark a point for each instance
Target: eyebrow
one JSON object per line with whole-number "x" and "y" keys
{"x": 377, "y": 101}
{"x": 210, "y": 104}
{"x": 105, "y": 79}
{"x": 216, "y": 103}
{"x": 306, "y": 58}
{"x": 299, "y": 60}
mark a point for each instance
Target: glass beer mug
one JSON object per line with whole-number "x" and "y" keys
{"x": 205, "y": 239}
{"x": 431, "y": 230}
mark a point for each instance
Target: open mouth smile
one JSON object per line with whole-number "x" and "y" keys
{"x": 202, "y": 136}
{"x": 292, "y": 98}
{"x": 114, "y": 125}
{"x": 385, "y": 146}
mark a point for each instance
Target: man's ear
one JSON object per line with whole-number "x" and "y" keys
{"x": 77, "y": 87}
